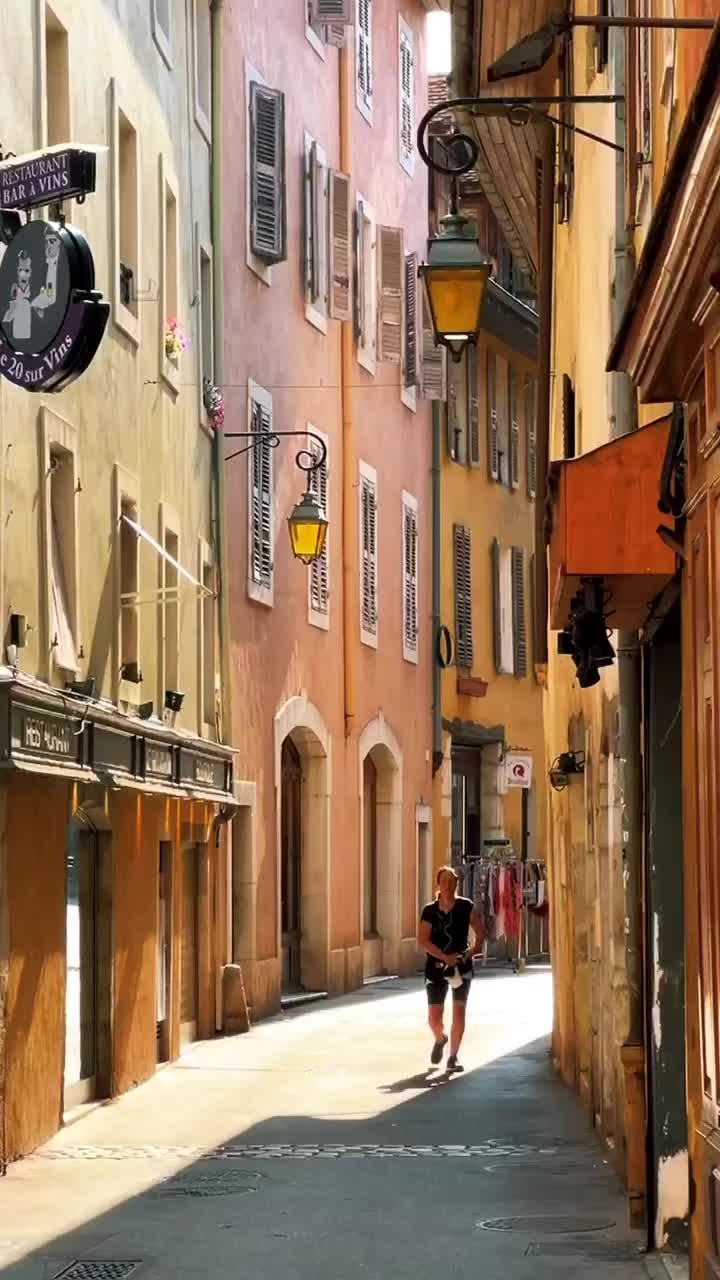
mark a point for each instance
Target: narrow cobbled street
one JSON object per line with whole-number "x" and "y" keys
{"x": 321, "y": 1145}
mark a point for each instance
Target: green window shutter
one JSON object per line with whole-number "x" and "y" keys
{"x": 462, "y": 570}
{"x": 518, "y": 612}
{"x": 268, "y": 218}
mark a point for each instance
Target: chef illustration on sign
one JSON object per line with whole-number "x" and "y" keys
{"x": 47, "y": 296}
{"x": 19, "y": 312}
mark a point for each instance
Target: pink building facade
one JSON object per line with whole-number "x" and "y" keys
{"x": 325, "y": 219}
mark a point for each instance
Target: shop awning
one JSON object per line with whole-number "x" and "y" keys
{"x": 604, "y": 526}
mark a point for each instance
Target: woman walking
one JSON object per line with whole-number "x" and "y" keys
{"x": 444, "y": 934}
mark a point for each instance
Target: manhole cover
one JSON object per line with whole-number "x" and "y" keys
{"x": 587, "y": 1250}
{"x": 232, "y": 1182}
{"x": 545, "y": 1225}
{"x": 97, "y": 1270}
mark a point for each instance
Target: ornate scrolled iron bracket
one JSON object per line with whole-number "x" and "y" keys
{"x": 307, "y": 460}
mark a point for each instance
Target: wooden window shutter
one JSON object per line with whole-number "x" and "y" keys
{"x": 492, "y": 418}
{"x": 369, "y": 556}
{"x": 340, "y": 11}
{"x": 407, "y": 94}
{"x": 340, "y": 236}
{"x": 262, "y": 499}
{"x": 391, "y": 288}
{"x": 497, "y": 605}
{"x": 453, "y": 422}
{"x": 514, "y": 430}
{"x": 433, "y": 379}
{"x": 319, "y": 593}
{"x": 473, "y": 414}
{"x": 518, "y": 612}
{"x": 462, "y": 568}
{"x": 268, "y": 222}
{"x": 531, "y": 395}
{"x": 364, "y": 50}
{"x": 568, "y": 417}
{"x": 411, "y": 333}
{"x": 410, "y": 583}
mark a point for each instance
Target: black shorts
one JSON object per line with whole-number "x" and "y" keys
{"x": 437, "y": 989}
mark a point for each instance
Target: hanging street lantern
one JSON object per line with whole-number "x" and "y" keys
{"x": 455, "y": 277}
{"x": 308, "y": 527}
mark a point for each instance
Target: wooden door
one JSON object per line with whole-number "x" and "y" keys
{"x": 189, "y": 945}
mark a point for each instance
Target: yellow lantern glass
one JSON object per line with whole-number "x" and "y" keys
{"x": 308, "y": 527}
{"x": 455, "y": 277}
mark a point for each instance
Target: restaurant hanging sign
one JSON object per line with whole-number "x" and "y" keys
{"x": 30, "y": 181}
{"x": 52, "y": 318}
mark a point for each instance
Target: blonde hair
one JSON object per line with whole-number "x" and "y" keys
{"x": 451, "y": 871}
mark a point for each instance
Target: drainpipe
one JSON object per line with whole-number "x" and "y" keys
{"x": 630, "y": 711}
{"x": 546, "y": 249}
{"x": 349, "y": 538}
{"x": 437, "y": 756}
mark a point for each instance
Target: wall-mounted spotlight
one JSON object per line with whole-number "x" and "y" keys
{"x": 567, "y": 764}
{"x": 131, "y": 672}
{"x": 81, "y": 688}
{"x": 145, "y": 710}
{"x": 173, "y": 704}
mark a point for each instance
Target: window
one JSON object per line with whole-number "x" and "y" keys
{"x": 266, "y": 212}
{"x": 409, "y": 374}
{"x": 456, "y": 410}
{"x": 57, "y": 81}
{"x": 128, "y": 551}
{"x": 492, "y": 418}
{"x": 504, "y": 644}
{"x": 366, "y": 285}
{"x": 568, "y": 417}
{"x": 514, "y": 429}
{"x": 63, "y": 561}
{"x": 315, "y": 234}
{"x": 531, "y": 395}
{"x": 260, "y": 498}
{"x": 169, "y": 289}
{"x": 565, "y": 142}
{"x": 340, "y": 240}
{"x": 462, "y": 582}
{"x": 206, "y": 641}
{"x": 368, "y": 556}
{"x": 410, "y": 577}
{"x": 644, "y": 118}
{"x": 206, "y": 351}
{"x": 406, "y": 87}
{"x": 363, "y": 45}
{"x": 202, "y": 49}
{"x": 600, "y": 38}
{"x": 319, "y": 571}
{"x": 390, "y": 293}
{"x": 161, "y": 14}
{"x": 126, "y": 218}
{"x": 473, "y": 410}
{"x": 170, "y": 605}
{"x": 517, "y": 566}
{"x": 433, "y": 369}
{"x": 327, "y": 23}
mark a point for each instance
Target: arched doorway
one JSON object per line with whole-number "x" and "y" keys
{"x": 382, "y": 847}
{"x": 291, "y": 866}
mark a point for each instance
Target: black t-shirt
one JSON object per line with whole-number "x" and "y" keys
{"x": 450, "y": 932}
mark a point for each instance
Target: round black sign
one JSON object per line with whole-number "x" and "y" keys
{"x": 51, "y": 320}
{"x": 34, "y": 288}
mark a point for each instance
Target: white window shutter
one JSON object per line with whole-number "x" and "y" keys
{"x": 492, "y": 419}
{"x": 268, "y": 220}
{"x": 462, "y": 572}
{"x": 514, "y": 431}
{"x": 411, "y": 329}
{"x": 433, "y": 381}
{"x": 406, "y": 94}
{"x": 334, "y": 34}
{"x": 391, "y": 287}
{"x": 368, "y": 499}
{"x": 340, "y": 236}
{"x": 319, "y": 569}
{"x": 410, "y": 581}
{"x": 497, "y": 611}
{"x": 340, "y": 11}
{"x": 364, "y": 50}
{"x": 261, "y": 531}
{"x": 518, "y": 612}
{"x": 62, "y": 639}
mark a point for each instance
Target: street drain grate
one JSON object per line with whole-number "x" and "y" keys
{"x": 97, "y": 1271}
{"x": 546, "y": 1225}
{"x": 587, "y": 1250}
{"x": 230, "y": 1183}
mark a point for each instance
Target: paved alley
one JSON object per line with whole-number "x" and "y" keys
{"x": 321, "y": 1145}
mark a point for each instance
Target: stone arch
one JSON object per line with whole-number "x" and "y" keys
{"x": 301, "y": 722}
{"x": 378, "y": 742}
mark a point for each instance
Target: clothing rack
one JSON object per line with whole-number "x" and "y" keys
{"x": 532, "y": 893}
